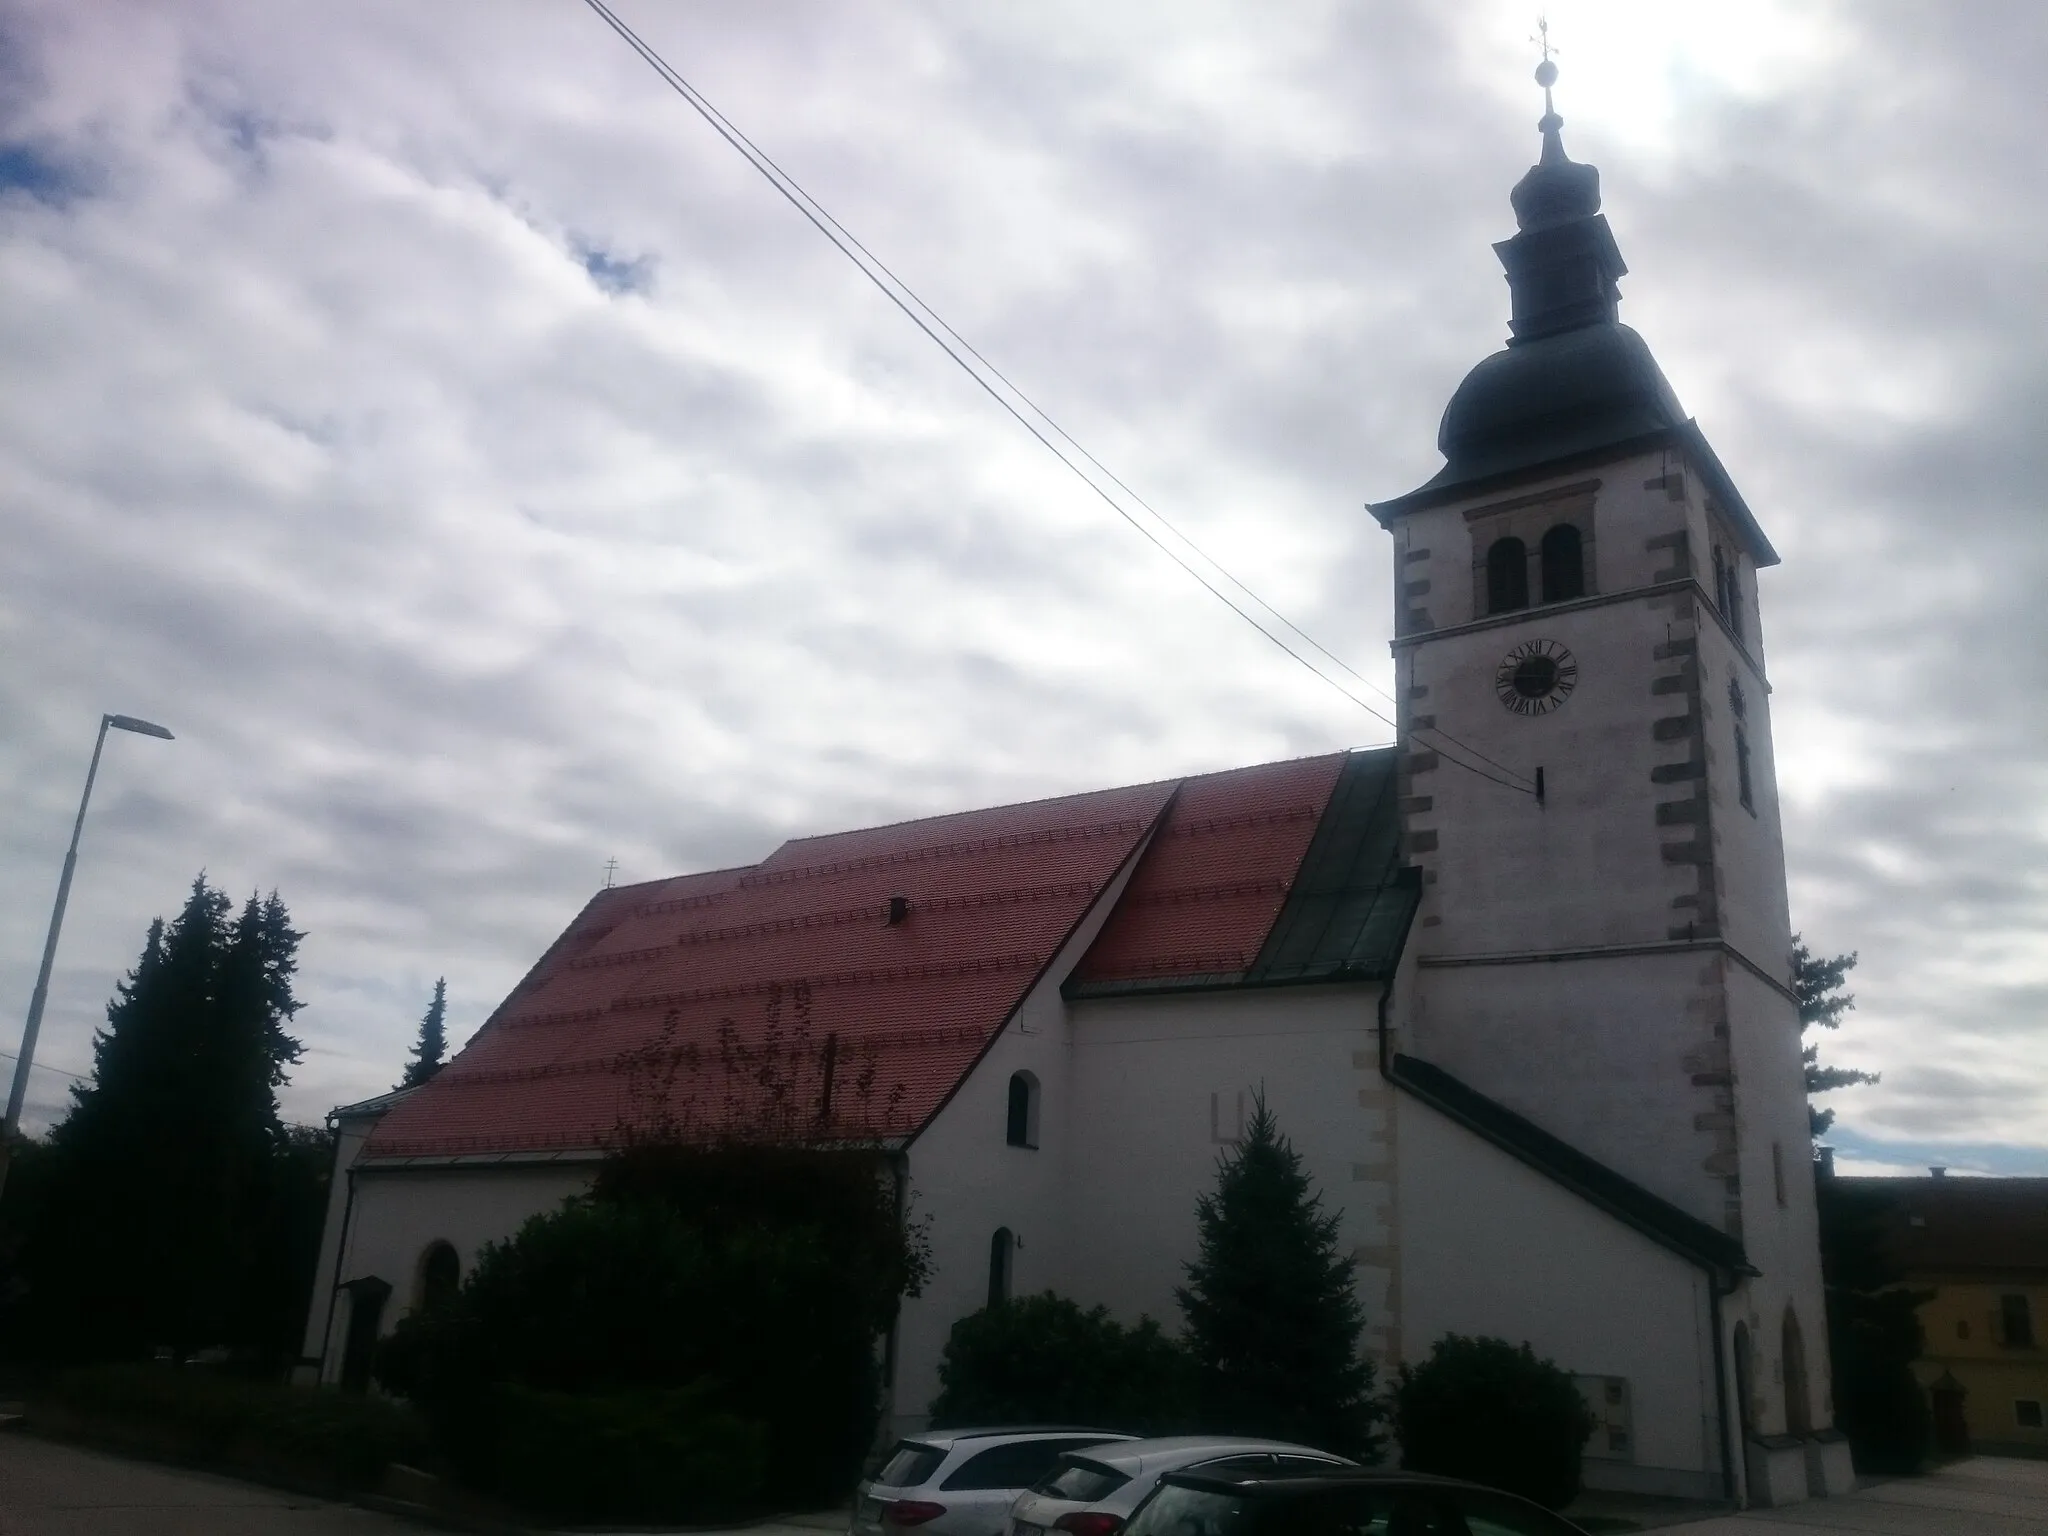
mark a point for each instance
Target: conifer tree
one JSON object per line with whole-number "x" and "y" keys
{"x": 432, "y": 1046}
{"x": 1818, "y": 983}
{"x": 165, "y": 1171}
{"x": 1272, "y": 1318}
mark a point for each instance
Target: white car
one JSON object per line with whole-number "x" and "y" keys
{"x": 1092, "y": 1491}
{"x": 962, "y": 1482}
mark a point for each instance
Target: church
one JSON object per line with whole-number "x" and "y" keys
{"x": 1517, "y": 987}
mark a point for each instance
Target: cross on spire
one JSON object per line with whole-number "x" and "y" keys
{"x": 611, "y": 868}
{"x": 1546, "y": 71}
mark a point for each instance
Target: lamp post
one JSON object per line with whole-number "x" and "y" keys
{"x": 26, "y": 1059}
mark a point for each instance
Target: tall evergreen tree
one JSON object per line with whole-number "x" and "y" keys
{"x": 165, "y": 1181}
{"x": 1818, "y": 983}
{"x": 432, "y": 1045}
{"x": 1272, "y": 1318}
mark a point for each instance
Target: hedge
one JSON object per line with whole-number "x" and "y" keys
{"x": 301, "y": 1436}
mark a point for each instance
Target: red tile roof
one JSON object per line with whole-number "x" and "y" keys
{"x": 1205, "y": 895}
{"x": 734, "y": 996}
{"x": 1987, "y": 1228}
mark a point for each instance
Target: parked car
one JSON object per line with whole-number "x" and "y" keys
{"x": 1091, "y": 1492}
{"x": 1344, "y": 1501}
{"x": 961, "y": 1482}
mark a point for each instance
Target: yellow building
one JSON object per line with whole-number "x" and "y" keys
{"x": 1981, "y": 1247}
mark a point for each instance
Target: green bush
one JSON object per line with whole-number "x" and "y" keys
{"x": 188, "y": 1413}
{"x": 1042, "y": 1360}
{"x": 630, "y": 1456}
{"x": 1484, "y": 1410}
{"x": 761, "y": 1276}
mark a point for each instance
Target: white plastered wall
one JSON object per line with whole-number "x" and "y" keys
{"x": 1491, "y": 1247}
{"x": 965, "y": 1180}
{"x": 398, "y": 1211}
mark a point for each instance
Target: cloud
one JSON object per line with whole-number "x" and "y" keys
{"x": 486, "y": 475}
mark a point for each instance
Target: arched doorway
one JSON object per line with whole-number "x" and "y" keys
{"x": 1798, "y": 1401}
{"x": 366, "y": 1298}
{"x": 440, "y": 1277}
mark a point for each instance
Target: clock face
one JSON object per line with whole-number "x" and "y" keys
{"x": 1535, "y": 677}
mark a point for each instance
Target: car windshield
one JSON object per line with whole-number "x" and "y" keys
{"x": 1176, "y": 1511}
{"x": 909, "y": 1465}
{"x": 1082, "y": 1480}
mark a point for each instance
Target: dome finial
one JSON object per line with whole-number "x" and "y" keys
{"x": 1546, "y": 76}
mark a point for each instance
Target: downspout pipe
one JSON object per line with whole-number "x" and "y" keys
{"x": 348, "y": 1208}
{"x": 1716, "y": 1290}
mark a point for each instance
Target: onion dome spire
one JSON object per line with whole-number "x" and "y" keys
{"x": 1563, "y": 266}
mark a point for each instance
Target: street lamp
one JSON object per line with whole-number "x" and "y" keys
{"x": 42, "y": 992}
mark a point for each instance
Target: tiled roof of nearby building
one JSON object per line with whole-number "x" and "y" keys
{"x": 780, "y": 996}
{"x": 1961, "y": 1227}
{"x": 1284, "y": 873}
{"x": 1559, "y": 1161}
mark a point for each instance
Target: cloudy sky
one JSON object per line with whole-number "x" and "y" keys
{"x": 421, "y": 412}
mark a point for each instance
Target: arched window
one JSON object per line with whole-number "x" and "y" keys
{"x": 1022, "y": 1127}
{"x": 1728, "y": 590}
{"x": 1507, "y": 576}
{"x": 440, "y": 1276}
{"x": 1564, "y": 569}
{"x": 1001, "y": 1246}
{"x": 1798, "y": 1409}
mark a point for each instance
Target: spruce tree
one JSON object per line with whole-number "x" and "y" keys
{"x": 164, "y": 1183}
{"x": 432, "y": 1046}
{"x": 1818, "y": 983}
{"x": 1272, "y": 1318}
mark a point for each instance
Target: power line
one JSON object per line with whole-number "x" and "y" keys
{"x": 37, "y": 1066}
{"x": 904, "y": 298}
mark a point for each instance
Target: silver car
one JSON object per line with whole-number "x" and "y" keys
{"x": 962, "y": 1482}
{"x": 1092, "y": 1491}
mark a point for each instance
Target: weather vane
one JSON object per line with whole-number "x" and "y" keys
{"x": 611, "y": 867}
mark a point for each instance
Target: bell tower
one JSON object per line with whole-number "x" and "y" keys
{"x": 1603, "y": 943}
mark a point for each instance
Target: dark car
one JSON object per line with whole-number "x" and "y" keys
{"x": 1340, "y": 1502}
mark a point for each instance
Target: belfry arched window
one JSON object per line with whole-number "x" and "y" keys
{"x": 1564, "y": 569}
{"x": 1002, "y": 1247}
{"x": 1507, "y": 576}
{"x": 1021, "y": 1123}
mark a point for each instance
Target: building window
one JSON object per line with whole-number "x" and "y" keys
{"x": 1021, "y": 1129}
{"x": 1778, "y": 1171}
{"x": 1001, "y": 1247}
{"x": 440, "y": 1276}
{"x": 1564, "y": 569}
{"x": 2015, "y": 1322}
{"x": 1742, "y": 781}
{"x": 1728, "y": 590}
{"x": 1963, "y": 1330}
{"x": 1507, "y": 576}
{"x": 2026, "y": 1412}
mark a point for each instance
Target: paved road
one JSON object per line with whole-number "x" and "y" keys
{"x": 1986, "y": 1496}
{"x": 58, "y": 1490}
